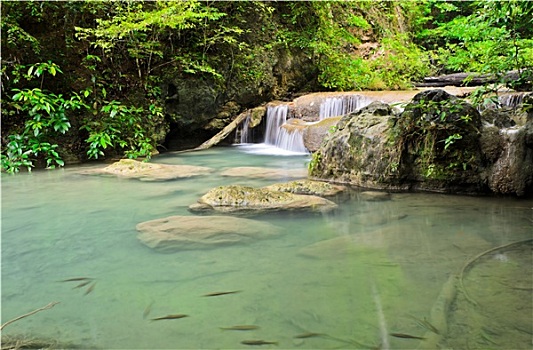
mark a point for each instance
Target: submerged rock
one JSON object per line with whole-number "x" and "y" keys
{"x": 317, "y": 188}
{"x": 176, "y": 233}
{"x": 341, "y": 246}
{"x": 264, "y": 173}
{"x": 130, "y": 168}
{"x": 242, "y": 199}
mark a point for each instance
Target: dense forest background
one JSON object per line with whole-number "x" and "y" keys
{"x": 93, "y": 79}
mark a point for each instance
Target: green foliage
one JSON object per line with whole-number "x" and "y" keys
{"x": 333, "y": 33}
{"x": 120, "y": 127}
{"x": 316, "y": 158}
{"x": 482, "y": 36}
{"x": 13, "y": 35}
{"x": 141, "y": 30}
{"x": 401, "y": 63}
{"x": 45, "y": 117}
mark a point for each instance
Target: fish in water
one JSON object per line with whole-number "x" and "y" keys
{"x": 148, "y": 310}
{"x": 406, "y": 336}
{"x": 77, "y": 279}
{"x": 90, "y": 289}
{"x": 425, "y": 323}
{"x": 240, "y": 328}
{"x": 170, "y": 317}
{"x": 82, "y": 284}
{"x": 258, "y": 342}
{"x": 216, "y": 294}
{"x": 309, "y": 335}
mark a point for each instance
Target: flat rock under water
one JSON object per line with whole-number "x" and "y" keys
{"x": 175, "y": 233}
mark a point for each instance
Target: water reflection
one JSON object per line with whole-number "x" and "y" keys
{"x": 350, "y": 278}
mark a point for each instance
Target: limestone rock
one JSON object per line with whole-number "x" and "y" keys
{"x": 264, "y": 173}
{"x": 512, "y": 172}
{"x": 359, "y": 151}
{"x": 314, "y": 134}
{"x": 130, "y": 168}
{"x": 317, "y": 188}
{"x": 433, "y": 145}
{"x": 176, "y": 233}
{"x": 242, "y": 199}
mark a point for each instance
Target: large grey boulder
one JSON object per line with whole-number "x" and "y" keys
{"x": 176, "y": 233}
{"x": 438, "y": 143}
{"x": 511, "y": 149}
{"x": 242, "y": 199}
{"x": 359, "y": 151}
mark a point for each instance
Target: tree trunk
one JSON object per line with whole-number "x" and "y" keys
{"x": 467, "y": 79}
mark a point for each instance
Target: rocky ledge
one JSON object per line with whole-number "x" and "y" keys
{"x": 438, "y": 143}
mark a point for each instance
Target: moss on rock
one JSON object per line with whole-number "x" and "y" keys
{"x": 235, "y": 199}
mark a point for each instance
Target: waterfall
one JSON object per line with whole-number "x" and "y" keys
{"x": 335, "y": 106}
{"x": 244, "y": 135}
{"x": 278, "y": 136}
{"x": 276, "y": 117}
{"x": 511, "y": 100}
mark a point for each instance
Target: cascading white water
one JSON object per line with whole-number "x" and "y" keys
{"x": 280, "y": 137}
{"x": 276, "y": 117}
{"x": 335, "y": 106}
{"x": 291, "y": 138}
{"x": 245, "y": 136}
{"x": 511, "y": 100}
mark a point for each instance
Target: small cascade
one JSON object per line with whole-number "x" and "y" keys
{"x": 511, "y": 100}
{"x": 290, "y": 140}
{"x": 244, "y": 134}
{"x": 276, "y": 117}
{"x": 335, "y": 106}
{"x": 279, "y": 136}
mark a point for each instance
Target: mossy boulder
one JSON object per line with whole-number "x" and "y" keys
{"x": 438, "y": 143}
{"x": 243, "y": 199}
{"x": 439, "y": 135}
{"x": 360, "y": 150}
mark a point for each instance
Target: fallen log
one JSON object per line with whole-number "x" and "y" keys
{"x": 467, "y": 79}
{"x": 255, "y": 114}
{"x": 224, "y": 132}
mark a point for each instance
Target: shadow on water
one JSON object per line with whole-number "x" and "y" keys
{"x": 372, "y": 274}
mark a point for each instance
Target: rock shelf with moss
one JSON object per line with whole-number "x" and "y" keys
{"x": 243, "y": 199}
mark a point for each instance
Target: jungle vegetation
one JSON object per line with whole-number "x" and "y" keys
{"x": 91, "y": 77}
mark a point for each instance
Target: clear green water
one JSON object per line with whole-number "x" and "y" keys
{"x": 394, "y": 265}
